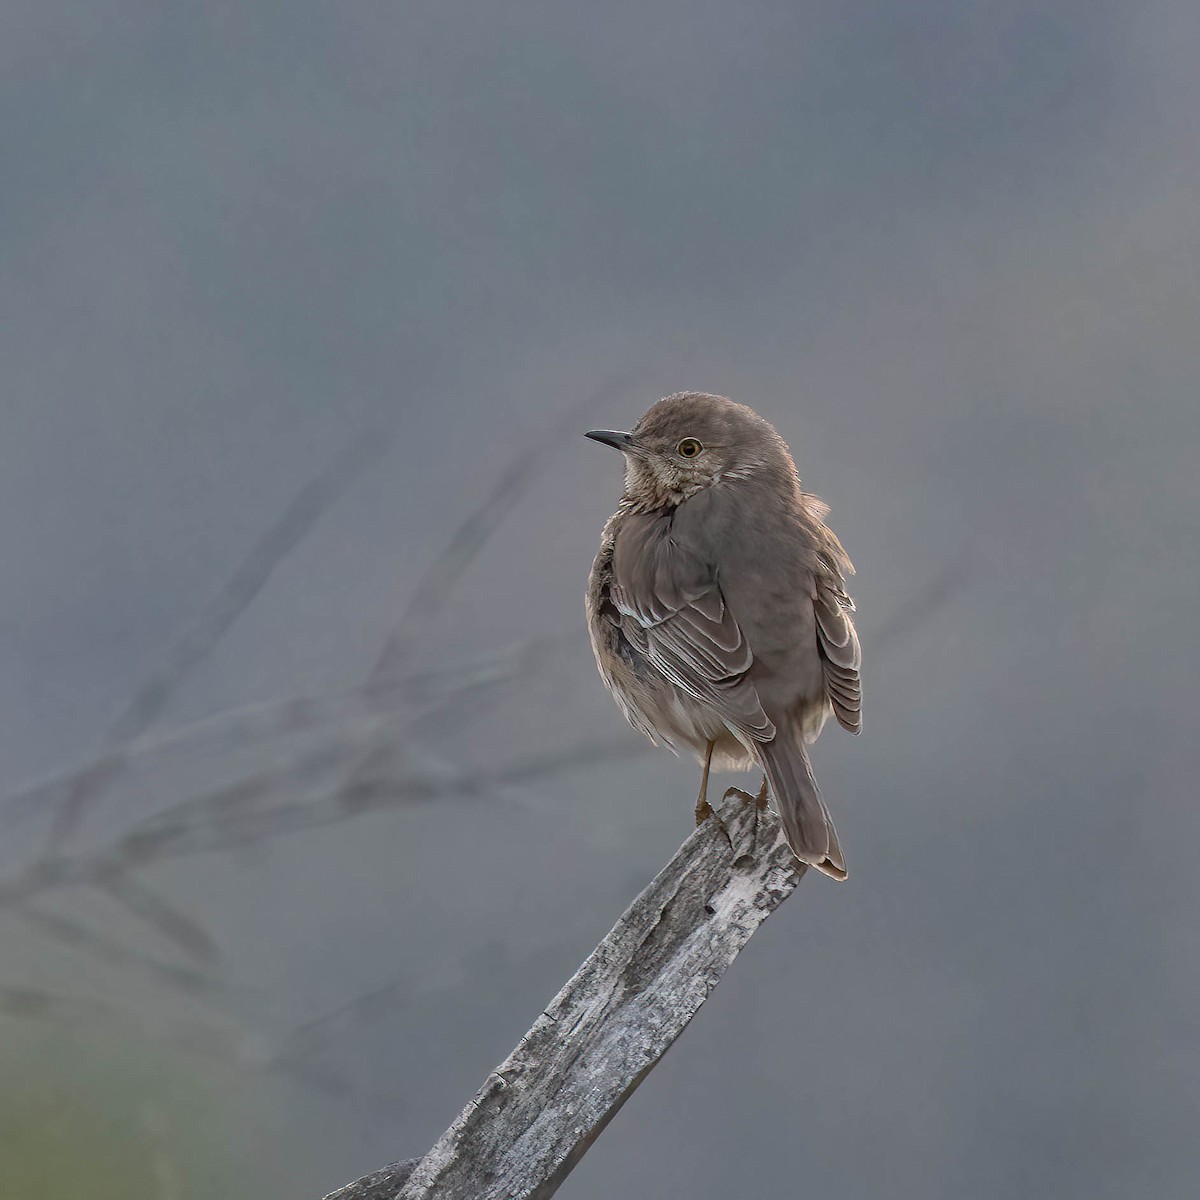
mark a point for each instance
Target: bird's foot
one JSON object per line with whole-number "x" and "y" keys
{"x": 704, "y": 810}
{"x": 757, "y": 802}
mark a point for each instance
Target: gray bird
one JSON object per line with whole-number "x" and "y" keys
{"x": 717, "y": 607}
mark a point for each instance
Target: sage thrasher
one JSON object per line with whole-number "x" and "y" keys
{"x": 717, "y": 607}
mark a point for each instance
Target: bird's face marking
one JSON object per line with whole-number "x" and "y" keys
{"x": 690, "y": 442}
{"x": 665, "y": 469}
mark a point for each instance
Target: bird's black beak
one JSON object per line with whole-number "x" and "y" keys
{"x": 619, "y": 441}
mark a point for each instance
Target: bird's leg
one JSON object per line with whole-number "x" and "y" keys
{"x": 703, "y": 808}
{"x": 760, "y": 801}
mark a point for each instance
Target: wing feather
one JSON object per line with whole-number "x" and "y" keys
{"x": 672, "y": 609}
{"x": 837, "y": 639}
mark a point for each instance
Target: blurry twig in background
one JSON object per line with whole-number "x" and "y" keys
{"x": 217, "y": 828}
{"x": 214, "y": 621}
{"x": 187, "y": 980}
{"x": 420, "y": 696}
{"x": 909, "y": 615}
{"x": 434, "y": 588}
{"x": 44, "y": 1005}
{"x": 373, "y": 756}
{"x": 472, "y": 535}
{"x": 374, "y": 742}
{"x": 149, "y": 701}
{"x": 174, "y": 924}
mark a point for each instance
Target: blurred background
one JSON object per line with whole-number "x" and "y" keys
{"x": 312, "y": 798}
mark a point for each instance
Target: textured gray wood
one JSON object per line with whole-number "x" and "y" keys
{"x": 379, "y": 1185}
{"x": 542, "y": 1108}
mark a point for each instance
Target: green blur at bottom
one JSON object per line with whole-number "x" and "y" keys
{"x": 114, "y": 1119}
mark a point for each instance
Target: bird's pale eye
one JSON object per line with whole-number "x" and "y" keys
{"x": 688, "y": 448}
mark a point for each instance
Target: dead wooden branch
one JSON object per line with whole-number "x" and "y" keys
{"x": 379, "y": 1185}
{"x": 541, "y": 1109}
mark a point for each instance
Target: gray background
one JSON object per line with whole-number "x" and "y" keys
{"x": 949, "y": 249}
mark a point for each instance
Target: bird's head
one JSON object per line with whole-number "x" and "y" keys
{"x": 692, "y": 441}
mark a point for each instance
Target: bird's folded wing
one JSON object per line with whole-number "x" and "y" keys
{"x": 837, "y": 639}
{"x": 672, "y": 610}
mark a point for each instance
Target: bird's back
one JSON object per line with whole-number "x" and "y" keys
{"x": 766, "y": 555}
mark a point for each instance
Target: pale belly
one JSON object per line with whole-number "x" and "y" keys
{"x": 668, "y": 714}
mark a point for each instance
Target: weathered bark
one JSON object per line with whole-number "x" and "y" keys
{"x": 379, "y": 1185}
{"x": 539, "y": 1111}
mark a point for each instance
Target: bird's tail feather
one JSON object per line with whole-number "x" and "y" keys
{"x": 806, "y": 821}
